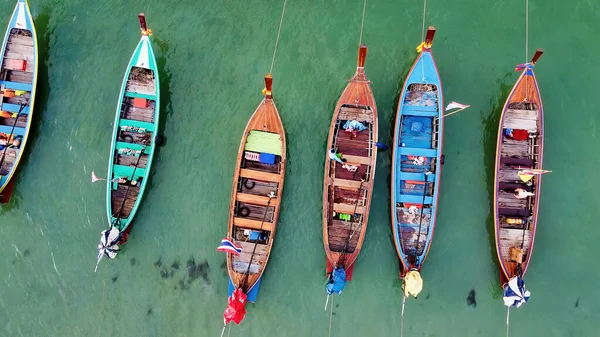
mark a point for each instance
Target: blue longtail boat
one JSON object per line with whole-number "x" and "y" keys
{"x": 18, "y": 79}
{"x": 133, "y": 143}
{"x": 417, "y": 165}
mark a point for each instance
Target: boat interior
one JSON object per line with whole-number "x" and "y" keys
{"x": 16, "y": 85}
{"x": 256, "y": 200}
{"x": 416, "y": 166}
{"x": 519, "y": 150}
{"x": 134, "y": 140}
{"x": 349, "y": 181}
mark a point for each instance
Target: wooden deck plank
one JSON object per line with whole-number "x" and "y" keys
{"x": 252, "y": 224}
{"x": 117, "y": 197}
{"x": 510, "y": 237}
{"x": 257, "y": 199}
{"x": 259, "y": 175}
{"x": 508, "y": 200}
{"x": 347, "y": 183}
{"x": 357, "y": 160}
{"x": 350, "y": 113}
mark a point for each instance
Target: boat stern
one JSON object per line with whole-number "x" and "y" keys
{"x": 252, "y": 294}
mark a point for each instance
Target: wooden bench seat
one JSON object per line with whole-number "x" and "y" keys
{"x": 348, "y": 209}
{"x": 252, "y": 224}
{"x": 256, "y": 199}
{"x": 343, "y": 183}
{"x": 259, "y": 175}
{"x": 357, "y": 160}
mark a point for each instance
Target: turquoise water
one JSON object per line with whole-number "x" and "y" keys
{"x": 170, "y": 281}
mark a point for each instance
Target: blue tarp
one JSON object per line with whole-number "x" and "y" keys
{"x": 267, "y": 158}
{"x": 354, "y": 125}
{"x": 337, "y": 281}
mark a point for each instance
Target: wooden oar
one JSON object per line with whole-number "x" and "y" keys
{"x": 11, "y": 133}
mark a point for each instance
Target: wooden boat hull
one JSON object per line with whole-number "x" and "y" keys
{"x": 418, "y": 144}
{"x": 18, "y": 74}
{"x": 347, "y": 195}
{"x": 134, "y": 136}
{"x": 254, "y": 211}
{"x": 514, "y": 241}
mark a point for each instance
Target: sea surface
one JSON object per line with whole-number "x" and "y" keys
{"x": 213, "y": 55}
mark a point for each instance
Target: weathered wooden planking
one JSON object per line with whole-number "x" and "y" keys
{"x": 508, "y": 174}
{"x": 257, "y": 199}
{"x": 260, "y": 253}
{"x": 516, "y": 148}
{"x": 132, "y": 160}
{"x": 242, "y": 267}
{"x": 523, "y": 114}
{"x": 140, "y": 114}
{"x": 350, "y": 113}
{"x": 508, "y": 200}
{"x": 404, "y": 217}
{"x": 521, "y": 119}
{"x": 9, "y": 159}
{"x": 252, "y": 224}
{"x": 257, "y": 212}
{"x": 144, "y": 138}
{"x": 19, "y": 76}
{"x": 510, "y": 237}
{"x": 21, "y": 123}
{"x": 261, "y": 188}
{"x": 117, "y": 197}
{"x": 343, "y": 173}
{"x": 19, "y": 39}
{"x": 141, "y": 89}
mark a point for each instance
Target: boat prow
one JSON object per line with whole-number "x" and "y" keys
{"x": 18, "y": 81}
{"x": 349, "y": 172}
{"x": 256, "y": 195}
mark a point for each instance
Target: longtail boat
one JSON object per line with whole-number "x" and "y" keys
{"x": 255, "y": 203}
{"x": 518, "y": 181}
{"x": 18, "y": 79}
{"x": 349, "y": 176}
{"x": 133, "y": 143}
{"x": 417, "y": 165}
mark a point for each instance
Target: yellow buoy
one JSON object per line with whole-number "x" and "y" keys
{"x": 413, "y": 283}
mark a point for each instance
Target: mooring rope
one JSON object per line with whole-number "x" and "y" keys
{"x": 526, "y": 30}
{"x": 278, "y": 34}
{"x": 526, "y": 44}
{"x": 424, "y": 12}
{"x": 362, "y": 24}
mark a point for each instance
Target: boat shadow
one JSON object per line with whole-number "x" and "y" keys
{"x": 166, "y": 107}
{"x": 489, "y": 119}
{"x": 42, "y": 26}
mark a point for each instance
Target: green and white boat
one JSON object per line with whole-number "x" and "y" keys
{"x": 133, "y": 143}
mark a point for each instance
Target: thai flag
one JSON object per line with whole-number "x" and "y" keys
{"x": 520, "y": 67}
{"x": 456, "y": 105}
{"x": 228, "y": 246}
